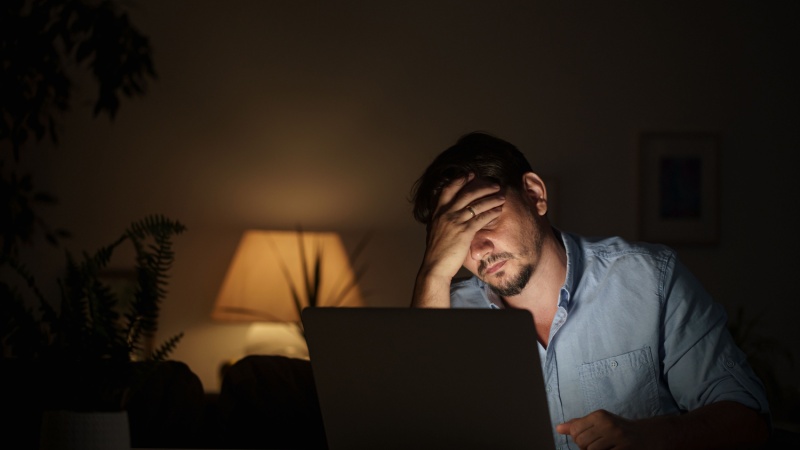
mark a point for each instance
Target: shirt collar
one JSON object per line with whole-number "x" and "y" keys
{"x": 573, "y": 259}
{"x": 494, "y": 300}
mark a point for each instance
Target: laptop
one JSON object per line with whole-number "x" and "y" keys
{"x": 404, "y": 378}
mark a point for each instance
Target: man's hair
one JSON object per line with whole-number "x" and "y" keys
{"x": 479, "y": 153}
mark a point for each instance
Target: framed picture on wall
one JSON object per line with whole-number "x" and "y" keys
{"x": 678, "y": 188}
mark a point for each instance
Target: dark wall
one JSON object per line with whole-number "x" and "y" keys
{"x": 270, "y": 114}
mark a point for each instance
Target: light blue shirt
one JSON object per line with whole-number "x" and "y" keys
{"x": 635, "y": 334}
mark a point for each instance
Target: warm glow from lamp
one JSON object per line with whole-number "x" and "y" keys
{"x": 257, "y": 288}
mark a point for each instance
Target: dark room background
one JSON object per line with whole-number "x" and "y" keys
{"x": 270, "y": 114}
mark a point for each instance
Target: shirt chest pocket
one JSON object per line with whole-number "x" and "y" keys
{"x": 626, "y": 385}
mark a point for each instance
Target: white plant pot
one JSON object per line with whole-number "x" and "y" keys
{"x": 69, "y": 430}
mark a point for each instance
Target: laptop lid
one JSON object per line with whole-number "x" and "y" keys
{"x": 407, "y": 378}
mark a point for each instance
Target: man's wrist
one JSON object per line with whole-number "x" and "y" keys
{"x": 431, "y": 290}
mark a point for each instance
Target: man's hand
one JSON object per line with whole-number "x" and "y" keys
{"x": 722, "y": 425}
{"x": 465, "y": 206}
{"x": 603, "y": 430}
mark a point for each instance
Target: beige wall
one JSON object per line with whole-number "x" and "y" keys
{"x": 275, "y": 113}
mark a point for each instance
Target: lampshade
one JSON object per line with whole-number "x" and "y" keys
{"x": 267, "y": 264}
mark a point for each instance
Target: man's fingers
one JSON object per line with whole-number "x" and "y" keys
{"x": 474, "y": 192}
{"x": 579, "y": 426}
{"x": 595, "y": 442}
{"x": 563, "y": 428}
{"x": 471, "y": 211}
{"x": 466, "y": 191}
{"x": 483, "y": 219}
{"x": 597, "y": 431}
{"x": 452, "y": 188}
{"x": 466, "y": 199}
{"x": 485, "y": 204}
{"x": 480, "y": 212}
{"x": 582, "y": 433}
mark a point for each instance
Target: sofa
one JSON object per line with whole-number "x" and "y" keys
{"x": 264, "y": 402}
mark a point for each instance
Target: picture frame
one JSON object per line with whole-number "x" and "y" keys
{"x": 678, "y": 188}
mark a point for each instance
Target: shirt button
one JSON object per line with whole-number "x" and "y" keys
{"x": 730, "y": 363}
{"x": 614, "y": 364}
{"x": 548, "y": 389}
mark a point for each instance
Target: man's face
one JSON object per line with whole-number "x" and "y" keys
{"x": 505, "y": 252}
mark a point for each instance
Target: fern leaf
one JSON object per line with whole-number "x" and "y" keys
{"x": 164, "y": 350}
{"x": 295, "y": 294}
{"x": 313, "y": 295}
{"x": 152, "y": 241}
{"x": 344, "y": 286}
{"x": 304, "y": 267}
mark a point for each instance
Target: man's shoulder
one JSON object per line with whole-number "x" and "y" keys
{"x": 466, "y": 284}
{"x": 614, "y": 247}
{"x": 468, "y": 292}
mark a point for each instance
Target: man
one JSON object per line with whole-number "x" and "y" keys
{"x": 635, "y": 353}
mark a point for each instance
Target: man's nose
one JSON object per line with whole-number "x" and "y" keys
{"x": 480, "y": 247}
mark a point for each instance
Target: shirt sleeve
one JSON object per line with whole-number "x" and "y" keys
{"x": 701, "y": 362}
{"x": 468, "y": 293}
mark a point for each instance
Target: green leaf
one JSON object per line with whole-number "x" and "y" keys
{"x": 286, "y": 274}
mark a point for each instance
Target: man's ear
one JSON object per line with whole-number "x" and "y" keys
{"x": 536, "y": 191}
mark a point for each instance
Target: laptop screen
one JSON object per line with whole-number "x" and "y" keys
{"x": 428, "y": 378}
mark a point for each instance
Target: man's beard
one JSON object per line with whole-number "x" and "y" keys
{"x": 533, "y": 246}
{"x": 516, "y": 285}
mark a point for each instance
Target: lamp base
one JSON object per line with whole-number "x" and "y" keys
{"x": 276, "y": 338}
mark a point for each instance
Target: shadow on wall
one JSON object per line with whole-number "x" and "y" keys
{"x": 767, "y": 356}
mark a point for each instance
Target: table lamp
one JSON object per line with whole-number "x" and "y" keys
{"x": 273, "y": 276}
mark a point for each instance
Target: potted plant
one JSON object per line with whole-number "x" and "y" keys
{"x": 76, "y": 353}
{"x": 86, "y": 352}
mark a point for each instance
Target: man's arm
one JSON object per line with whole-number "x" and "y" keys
{"x": 722, "y": 425}
{"x": 465, "y": 206}
{"x": 707, "y": 376}
{"x": 431, "y": 291}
